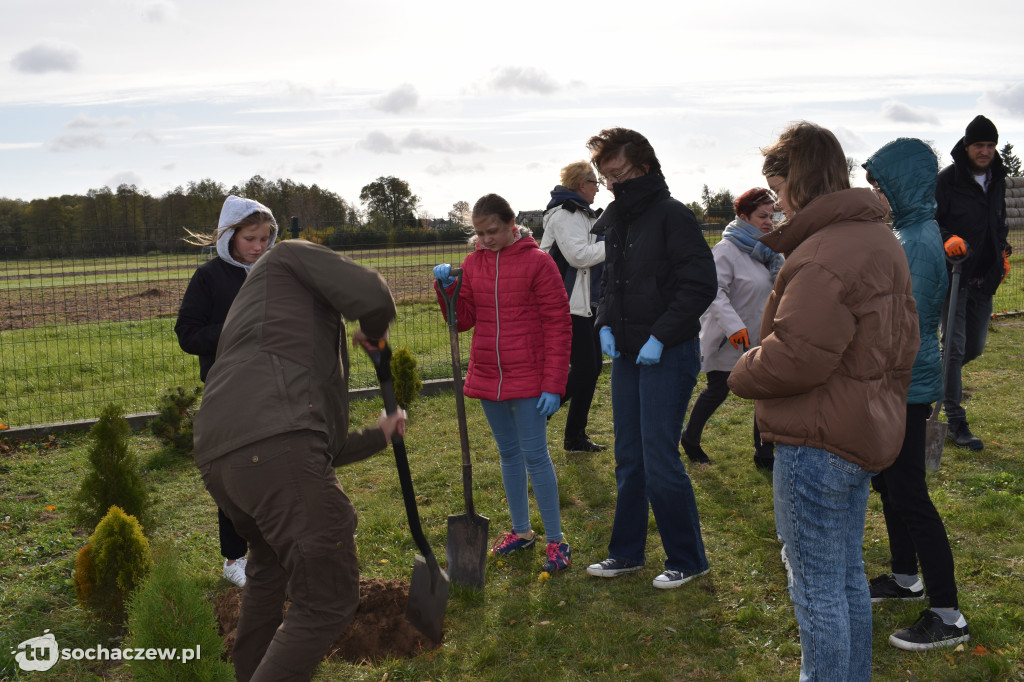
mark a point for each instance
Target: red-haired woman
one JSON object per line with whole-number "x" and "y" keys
{"x": 746, "y": 272}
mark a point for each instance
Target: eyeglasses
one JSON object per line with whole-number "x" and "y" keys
{"x": 590, "y": 181}
{"x": 775, "y": 190}
{"x": 612, "y": 178}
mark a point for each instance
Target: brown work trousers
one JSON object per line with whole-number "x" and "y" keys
{"x": 283, "y": 497}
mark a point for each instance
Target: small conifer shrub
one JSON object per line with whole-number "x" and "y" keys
{"x": 407, "y": 378}
{"x": 170, "y": 610}
{"x": 172, "y": 424}
{"x": 113, "y": 476}
{"x": 112, "y": 565}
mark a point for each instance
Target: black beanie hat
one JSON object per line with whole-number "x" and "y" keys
{"x": 980, "y": 130}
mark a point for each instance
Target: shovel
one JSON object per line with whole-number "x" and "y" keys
{"x": 935, "y": 431}
{"x": 467, "y": 533}
{"x": 428, "y": 591}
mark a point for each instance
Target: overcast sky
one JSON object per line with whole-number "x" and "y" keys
{"x": 464, "y": 98}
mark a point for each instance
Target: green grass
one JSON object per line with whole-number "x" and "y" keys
{"x": 736, "y": 623}
{"x": 65, "y": 373}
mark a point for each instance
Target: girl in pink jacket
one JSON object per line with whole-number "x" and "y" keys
{"x": 513, "y": 296}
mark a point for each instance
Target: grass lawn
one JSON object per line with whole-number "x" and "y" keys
{"x": 736, "y": 623}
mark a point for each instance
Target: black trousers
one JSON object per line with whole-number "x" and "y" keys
{"x": 584, "y": 368}
{"x": 916, "y": 531}
{"x": 232, "y": 545}
{"x": 709, "y": 400}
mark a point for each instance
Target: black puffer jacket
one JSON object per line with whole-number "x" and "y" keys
{"x": 978, "y": 217}
{"x": 659, "y": 275}
{"x": 203, "y": 308}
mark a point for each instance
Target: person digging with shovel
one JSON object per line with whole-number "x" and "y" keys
{"x": 903, "y": 172}
{"x": 273, "y": 425}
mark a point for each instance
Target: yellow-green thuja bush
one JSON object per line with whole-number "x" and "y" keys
{"x": 111, "y": 566}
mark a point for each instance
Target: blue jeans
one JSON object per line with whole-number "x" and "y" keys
{"x": 970, "y": 331}
{"x": 521, "y": 435}
{"x": 648, "y": 408}
{"x": 820, "y": 503}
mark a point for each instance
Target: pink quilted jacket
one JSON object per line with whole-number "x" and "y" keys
{"x": 517, "y": 303}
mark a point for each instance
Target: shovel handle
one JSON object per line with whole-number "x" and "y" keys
{"x": 450, "y": 302}
{"x": 381, "y": 359}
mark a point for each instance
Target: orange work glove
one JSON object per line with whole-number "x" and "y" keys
{"x": 955, "y": 246}
{"x": 740, "y": 340}
{"x": 1006, "y": 266}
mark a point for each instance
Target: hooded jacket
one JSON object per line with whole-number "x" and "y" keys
{"x": 977, "y": 216}
{"x": 515, "y": 302}
{"x": 214, "y": 286}
{"x": 568, "y": 221}
{"x": 282, "y": 360}
{"x": 659, "y": 274}
{"x": 839, "y": 334}
{"x": 905, "y": 171}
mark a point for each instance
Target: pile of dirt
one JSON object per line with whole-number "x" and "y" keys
{"x": 379, "y": 629}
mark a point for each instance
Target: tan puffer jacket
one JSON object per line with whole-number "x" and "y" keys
{"x": 839, "y": 334}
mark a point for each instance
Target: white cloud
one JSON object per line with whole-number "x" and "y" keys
{"x": 400, "y": 100}
{"x": 84, "y": 121}
{"x": 125, "y": 178}
{"x": 524, "y": 79}
{"x": 73, "y": 143}
{"x": 46, "y": 59}
{"x": 419, "y": 139}
{"x": 904, "y": 113}
{"x": 446, "y": 167}
{"x": 377, "y": 142}
{"x": 159, "y": 11}
{"x": 243, "y": 149}
{"x": 700, "y": 142}
{"x": 1010, "y": 98}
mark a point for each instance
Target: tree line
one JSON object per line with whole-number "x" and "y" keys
{"x": 128, "y": 220}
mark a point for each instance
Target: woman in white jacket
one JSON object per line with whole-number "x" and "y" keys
{"x": 746, "y": 273}
{"x": 579, "y": 255}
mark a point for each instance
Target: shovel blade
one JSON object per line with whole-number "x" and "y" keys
{"x": 467, "y": 549}
{"x": 935, "y": 438}
{"x": 428, "y": 598}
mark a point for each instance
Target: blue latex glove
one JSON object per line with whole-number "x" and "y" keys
{"x": 608, "y": 343}
{"x": 650, "y": 354}
{"x": 548, "y": 404}
{"x": 442, "y": 273}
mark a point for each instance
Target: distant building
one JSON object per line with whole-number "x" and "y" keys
{"x": 530, "y": 219}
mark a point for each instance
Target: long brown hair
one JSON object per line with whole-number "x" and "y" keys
{"x": 811, "y": 160}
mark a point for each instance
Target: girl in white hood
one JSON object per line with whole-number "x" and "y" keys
{"x": 245, "y": 231}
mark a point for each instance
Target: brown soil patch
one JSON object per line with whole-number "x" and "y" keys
{"x": 379, "y": 629}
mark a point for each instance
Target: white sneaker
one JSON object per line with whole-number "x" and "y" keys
{"x": 235, "y": 572}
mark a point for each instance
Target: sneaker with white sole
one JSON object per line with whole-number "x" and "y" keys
{"x": 885, "y": 587}
{"x": 610, "y": 568}
{"x": 930, "y": 632}
{"x": 235, "y": 572}
{"x": 671, "y": 579}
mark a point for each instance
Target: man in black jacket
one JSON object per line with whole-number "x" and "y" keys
{"x": 972, "y": 218}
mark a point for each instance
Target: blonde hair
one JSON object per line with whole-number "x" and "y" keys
{"x": 575, "y": 173}
{"x": 209, "y": 239}
{"x": 811, "y": 160}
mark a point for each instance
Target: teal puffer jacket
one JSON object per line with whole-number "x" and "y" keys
{"x": 905, "y": 170}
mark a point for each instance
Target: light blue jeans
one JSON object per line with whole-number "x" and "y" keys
{"x": 820, "y": 503}
{"x": 520, "y": 432}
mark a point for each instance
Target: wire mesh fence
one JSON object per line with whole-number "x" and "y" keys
{"x": 90, "y": 321}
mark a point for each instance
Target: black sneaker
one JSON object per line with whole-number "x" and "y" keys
{"x": 960, "y": 435}
{"x": 583, "y": 444}
{"x": 929, "y": 632}
{"x": 610, "y": 568}
{"x": 694, "y": 451}
{"x": 885, "y": 587}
